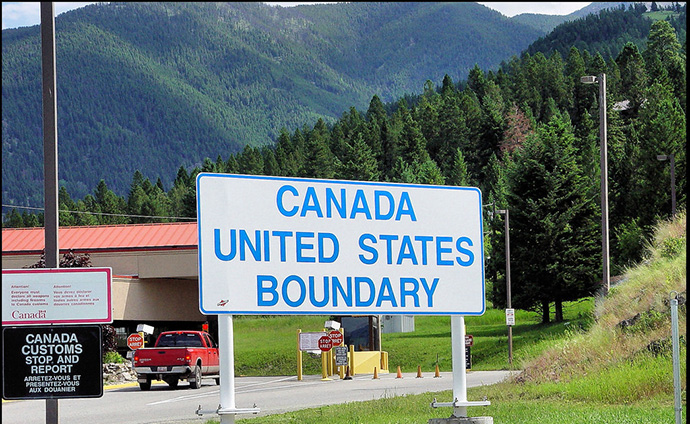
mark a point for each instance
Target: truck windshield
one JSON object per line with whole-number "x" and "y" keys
{"x": 179, "y": 339}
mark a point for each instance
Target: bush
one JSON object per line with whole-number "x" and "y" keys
{"x": 109, "y": 339}
{"x": 630, "y": 242}
{"x": 672, "y": 246}
{"x": 113, "y": 357}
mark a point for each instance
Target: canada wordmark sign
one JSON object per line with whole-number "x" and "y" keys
{"x": 273, "y": 245}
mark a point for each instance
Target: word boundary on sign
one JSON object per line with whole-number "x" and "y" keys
{"x": 276, "y": 245}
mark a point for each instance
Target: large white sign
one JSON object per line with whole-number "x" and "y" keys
{"x": 272, "y": 245}
{"x": 56, "y": 296}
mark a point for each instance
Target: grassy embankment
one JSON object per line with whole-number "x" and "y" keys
{"x": 586, "y": 369}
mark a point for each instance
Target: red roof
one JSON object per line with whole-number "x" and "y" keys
{"x": 104, "y": 237}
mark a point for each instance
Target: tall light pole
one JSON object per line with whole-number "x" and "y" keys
{"x": 673, "y": 180}
{"x": 50, "y": 157}
{"x": 601, "y": 80}
{"x": 508, "y": 301}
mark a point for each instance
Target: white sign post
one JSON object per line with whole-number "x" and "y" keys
{"x": 281, "y": 246}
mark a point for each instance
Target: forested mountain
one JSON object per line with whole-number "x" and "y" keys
{"x": 526, "y": 134}
{"x": 152, "y": 86}
{"x": 607, "y": 31}
{"x": 546, "y": 23}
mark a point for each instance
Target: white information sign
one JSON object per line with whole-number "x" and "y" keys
{"x": 310, "y": 341}
{"x": 510, "y": 316}
{"x": 274, "y": 245}
{"x": 56, "y": 296}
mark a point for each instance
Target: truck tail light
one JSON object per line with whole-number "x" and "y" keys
{"x": 188, "y": 358}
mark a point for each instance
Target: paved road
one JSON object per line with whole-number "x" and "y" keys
{"x": 273, "y": 395}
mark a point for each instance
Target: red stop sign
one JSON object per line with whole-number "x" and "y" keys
{"x": 336, "y": 337}
{"x": 325, "y": 343}
{"x": 135, "y": 341}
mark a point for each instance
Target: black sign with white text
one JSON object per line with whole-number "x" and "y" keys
{"x": 52, "y": 362}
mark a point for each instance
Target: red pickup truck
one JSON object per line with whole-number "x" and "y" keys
{"x": 178, "y": 355}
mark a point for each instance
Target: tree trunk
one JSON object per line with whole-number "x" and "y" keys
{"x": 559, "y": 311}
{"x": 545, "y": 319}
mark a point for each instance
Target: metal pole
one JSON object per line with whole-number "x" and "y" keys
{"x": 457, "y": 336}
{"x": 509, "y": 303}
{"x": 676, "y": 360}
{"x": 673, "y": 185}
{"x": 50, "y": 163}
{"x": 227, "y": 368}
{"x": 604, "y": 182}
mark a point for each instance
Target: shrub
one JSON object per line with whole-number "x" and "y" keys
{"x": 113, "y": 357}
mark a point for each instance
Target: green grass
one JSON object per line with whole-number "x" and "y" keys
{"x": 415, "y": 409}
{"x": 432, "y": 337}
{"x": 268, "y": 345}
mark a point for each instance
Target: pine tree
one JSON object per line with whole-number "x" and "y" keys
{"x": 359, "y": 163}
{"x": 458, "y": 175}
{"x": 65, "y": 203}
{"x": 553, "y": 222}
{"x": 319, "y": 161}
{"x": 633, "y": 76}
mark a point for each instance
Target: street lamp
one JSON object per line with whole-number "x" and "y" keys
{"x": 673, "y": 180}
{"x": 508, "y": 303}
{"x": 601, "y": 80}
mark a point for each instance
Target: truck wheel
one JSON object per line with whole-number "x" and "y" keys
{"x": 172, "y": 382}
{"x": 196, "y": 384}
{"x": 145, "y": 386}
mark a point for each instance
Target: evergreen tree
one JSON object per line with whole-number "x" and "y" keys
{"x": 13, "y": 219}
{"x": 633, "y": 76}
{"x": 666, "y": 64}
{"x": 251, "y": 161}
{"x": 553, "y": 222}
{"x": 458, "y": 175}
{"x": 574, "y": 70}
{"x": 662, "y": 132}
{"x": 359, "y": 162}
{"x": 319, "y": 161}
{"x": 451, "y": 131}
{"x": 110, "y": 205}
{"x": 66, "y": 203}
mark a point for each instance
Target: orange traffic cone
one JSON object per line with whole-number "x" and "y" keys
{"x": 376, "y": 374}
{"x": 437, "y": 374}
{"x": 399, "y": 373}
{"x": 347, "y": 373}
{"x": 419, "y": 371}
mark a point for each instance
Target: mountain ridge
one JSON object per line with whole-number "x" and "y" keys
{"x": 156, "y": 86}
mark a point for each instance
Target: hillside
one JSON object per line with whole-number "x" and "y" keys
{"x": 546, "y": 23}
{"x": 156, "y": 86}
{"x": 632, "y": 323}
{"x": 605, "y": 31}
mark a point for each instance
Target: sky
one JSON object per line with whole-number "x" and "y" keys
{"x": 20, "y": 14}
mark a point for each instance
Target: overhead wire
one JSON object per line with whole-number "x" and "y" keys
{"x": 186, "y": 218}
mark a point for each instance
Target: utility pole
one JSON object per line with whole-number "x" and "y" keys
{"x": 50, "y": 158}
{"x": 601, "y": 80}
